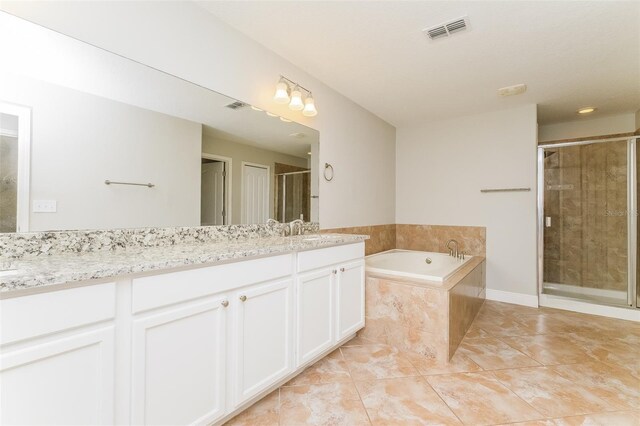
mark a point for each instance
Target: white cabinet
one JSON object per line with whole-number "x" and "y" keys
{"x": 65, "y": 381}
{"x": 329, "y": 298}
{"x": 261, "y": 344}
{"x": 57, "y": 359}
{"x": 182, "y": 347}
{"x": 350, "y": 298}
{"x": 315, "y": 316}
{"x": 178, "y": 364}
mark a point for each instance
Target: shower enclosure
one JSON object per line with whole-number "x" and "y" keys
{"x": 293, "y": 196}
{"x": 587, "y": 221}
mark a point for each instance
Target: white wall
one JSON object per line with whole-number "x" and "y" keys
{"x": 588, "y": 126}
{"x": 75, "y": 147}
{"x": 182, "y": 39}
{"x": 238, "y": 153}
{"x": 441, "y": 168}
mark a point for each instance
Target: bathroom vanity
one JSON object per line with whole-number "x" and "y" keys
{"x": 193, "y": 344}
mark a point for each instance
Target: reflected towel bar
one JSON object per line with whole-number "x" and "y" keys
{"x": 110, "y": 182}
{"x": 506, "y": 190}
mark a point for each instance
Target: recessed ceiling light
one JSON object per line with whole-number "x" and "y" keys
{"x": 586, "y": 110}
{"x": 286, "y": 120}
{"x": 270, "y": 114}
{"x": 255, "y": 108}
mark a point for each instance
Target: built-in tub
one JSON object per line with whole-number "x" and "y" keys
{"x": 422, "y": 307}
{"x": 422, "y": 265}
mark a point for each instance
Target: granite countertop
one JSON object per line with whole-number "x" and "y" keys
{"x": 73, "y": 267}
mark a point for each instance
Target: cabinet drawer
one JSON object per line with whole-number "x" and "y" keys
{"x": 308, "y": 260}
{"x": 166, "y": 289}
{"x": 32, "y": 316}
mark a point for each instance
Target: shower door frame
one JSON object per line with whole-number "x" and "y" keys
{"x": 633, "y": 297}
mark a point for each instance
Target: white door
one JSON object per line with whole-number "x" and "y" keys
{"x": 255, "y": 194}
{"x": 178, "y": 365}
{"x": 350, "y": 292}
{"x": 212, "y": 191}
{"x": 66, "y": 381}
{"x": 315, "y": 313}
{"x": 262, "y": 346}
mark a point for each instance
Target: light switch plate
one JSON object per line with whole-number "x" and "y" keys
{"x": 45, "y": 206}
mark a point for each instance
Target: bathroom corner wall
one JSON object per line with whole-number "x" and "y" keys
{"x": 490, "y": 150}
{"x": 471, "y": 239}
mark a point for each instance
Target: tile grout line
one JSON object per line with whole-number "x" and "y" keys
{"x": 426, "y": 380}
{"x": 353, "y": 383}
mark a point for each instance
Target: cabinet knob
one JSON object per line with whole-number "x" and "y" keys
{"x": 341, "y": 269}
{"x": 225, "y": 303}
{"x": 243, "y": 298}
{"x": 334, "y": 272}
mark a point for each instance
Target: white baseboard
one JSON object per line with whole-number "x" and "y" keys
{"x": 514, "y": 298}
{"x": 550, "y": 301}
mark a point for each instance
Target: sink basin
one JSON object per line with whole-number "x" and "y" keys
{"x": 8, "y": 272}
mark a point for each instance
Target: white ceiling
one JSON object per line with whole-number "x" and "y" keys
{"x": 569, "y": 54}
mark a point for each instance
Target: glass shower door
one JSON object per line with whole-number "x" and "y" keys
{"x": 587, "y": 220}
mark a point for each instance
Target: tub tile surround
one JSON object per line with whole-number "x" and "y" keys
{"x": 381, "y": 237}
{"x": 472, "y": 239}
{"x": 492, "y": 382}
{"x": 430, "y": 320}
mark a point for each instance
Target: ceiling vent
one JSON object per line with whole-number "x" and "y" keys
{"x": 446, "y": 29}
{"x": 236, "y": 105}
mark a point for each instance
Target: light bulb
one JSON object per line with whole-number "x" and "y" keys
{"x": 309, "y": 107}
{"x": 296, "y": 100}
{"x": 282, "y": 93}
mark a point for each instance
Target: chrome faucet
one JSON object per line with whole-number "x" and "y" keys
{"x": 296, "y": 227}
{"x": 452, "y": 251}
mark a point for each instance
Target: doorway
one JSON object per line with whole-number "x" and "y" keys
{"x": 587, "y": 221}
{"x": 215, "y": 193}
{"x": 255, "y": 193}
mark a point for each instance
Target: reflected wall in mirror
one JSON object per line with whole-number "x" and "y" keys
{"x": 90, "y": 116}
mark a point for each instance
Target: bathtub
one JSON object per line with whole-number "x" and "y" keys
{"x": 415, "y": 264}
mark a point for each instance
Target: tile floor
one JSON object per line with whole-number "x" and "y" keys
{"x": 516, "y": 365}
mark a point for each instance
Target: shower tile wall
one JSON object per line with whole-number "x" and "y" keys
{"x": 586, "y": 199}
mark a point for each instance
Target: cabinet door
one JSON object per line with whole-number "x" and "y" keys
{"x": 350, "y": 292}
{"x": 262, "y": 341}
{"x": 178, "y": 374}
{"x": 63, "y": 381}
{"x": 314, "y": 313}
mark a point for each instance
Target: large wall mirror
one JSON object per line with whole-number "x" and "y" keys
{"x": 89, "y": 139}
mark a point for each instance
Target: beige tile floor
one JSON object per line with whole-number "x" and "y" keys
{"x": 516, "y": 365}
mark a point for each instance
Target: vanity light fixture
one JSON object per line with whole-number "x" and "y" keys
{"x": 294, "y": 97}
{"x": 296, "y": 103}
{"x": 282, "y": 93}
{"x": 309, "y": 107}
{"x": 586, "y": 110}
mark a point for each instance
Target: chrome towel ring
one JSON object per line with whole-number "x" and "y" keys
{"x": 328, "y": 172}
